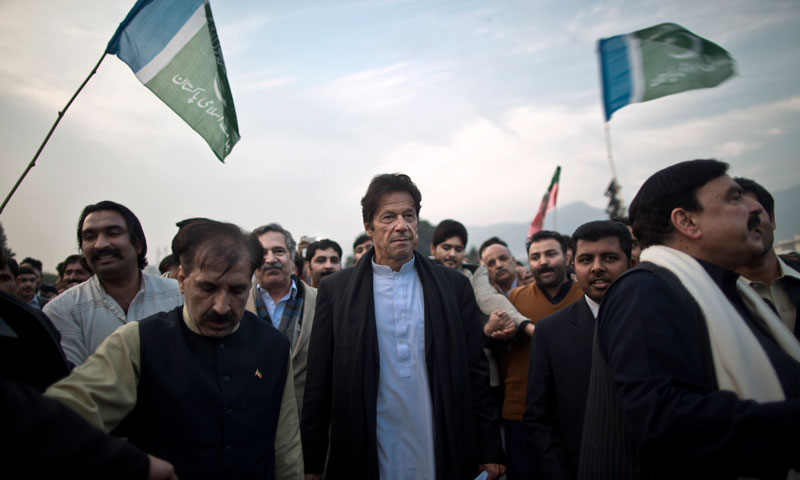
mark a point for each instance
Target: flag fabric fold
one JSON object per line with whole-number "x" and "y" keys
{"x": 173, "y": 49}
{"x": 658, "y": 61}
{"x": 548, "y": 203}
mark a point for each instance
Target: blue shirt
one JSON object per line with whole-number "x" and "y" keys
{"x": 404, "y": 409}
{"x": 275, "y": 310}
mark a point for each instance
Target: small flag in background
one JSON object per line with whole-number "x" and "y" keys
{"x": 258, "y": 374}
{"x": 658, "y": 61}
{"x": 173, "y": 49}
{"x": 548, "y": 203}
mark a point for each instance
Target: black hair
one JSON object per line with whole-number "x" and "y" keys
{"x": 544, "y": 235}
{"x": 35, "y": 264}
{"x": 166, "y": 264}
{"x": 670, "y": 188}
{"x": 360, "y": 239}
{"x": 23, "y": 270}
{"x": 323, "y": 244}
{"x": 448, "y": 229}
{"x": 388, "y": 183}
{"x": 135, "y": 230}
{"x": 488, "y": 243}
{"x": 761, "y": 193}
{"x": 210, "y": 243}
{"x": 594, "y": 231}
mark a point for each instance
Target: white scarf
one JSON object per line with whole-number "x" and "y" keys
{"x": 740, "y": 363}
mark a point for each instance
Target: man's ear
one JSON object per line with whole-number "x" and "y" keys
{"x": 684, "y": 223}
{"x": 181, "y": 278}
{"x": 433, "y": 249}
{"x": 368, "y": 229}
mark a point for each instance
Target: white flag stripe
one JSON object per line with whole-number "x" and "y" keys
{"x": 636, "y": 68}
{"x": 187, "y": 32}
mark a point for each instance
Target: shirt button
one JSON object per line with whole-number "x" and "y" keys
{"x": 229, "y": 412}
{"x": 226, "y": 379}
{"x": 228, "y": 448}
{"x": 222, "y": 346}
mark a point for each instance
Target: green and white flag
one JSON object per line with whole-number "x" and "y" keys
{"x": 658, "y": 61}
{"x": 172, "y": 47}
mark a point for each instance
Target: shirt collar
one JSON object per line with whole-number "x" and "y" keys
{"x": 386, "y": 271}
{"x": 292, "y": 290}
{"x": 593, "y": 306}
{"x": 562, "y": 292}
{"x": 786, "y": 270}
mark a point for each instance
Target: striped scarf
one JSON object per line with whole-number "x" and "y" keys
{"x": 291, "y": 320}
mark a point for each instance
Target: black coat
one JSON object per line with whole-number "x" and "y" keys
{"x": 558, "y": 379}
{"x": 342, "y": 381}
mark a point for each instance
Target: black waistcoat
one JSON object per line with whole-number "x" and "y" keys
{"x": 210, "y": 406}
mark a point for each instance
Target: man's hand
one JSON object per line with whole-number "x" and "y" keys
{"x": 495, "y": 470}
{"x": 160, "y": 469}
{"x": 500, "y": 326}
{"x": 529, "y": 329}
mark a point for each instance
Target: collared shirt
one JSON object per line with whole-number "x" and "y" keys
{"x": 404, "y": 408}
{"x": 775, "y": 294}
{"x": 275, "y": 310}
{"x": 593, "y": 306}
{"x": 35, "y": 302}
{"x": 85, "y": 314}
{"x": 506, "y": 292}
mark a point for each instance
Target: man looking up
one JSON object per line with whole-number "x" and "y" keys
{"x": 775, "y": 280}
{"x": 693, "y": 376}
{"x": 397, "y": 377}
{"x": 112, "y": 239}
{"x": 283, "y": 300}
{"x": 551, "y": 291}
{"x": 205, "y": 386}
{"x": 561, "y": 352}
{"x": 324, "y": 257}
{"x": 361, "y": 246}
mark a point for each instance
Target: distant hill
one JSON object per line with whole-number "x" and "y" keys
{"x": 787, "y": 203}
{"x": 568, "y": 217}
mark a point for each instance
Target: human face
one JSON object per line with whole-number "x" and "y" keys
{"x": 276, "y": 273}
{"x": 7, "y": 281}
{"x": 26, "y": 286}
{"x": 725, "y": 230}
{"x": 36, "y": 273}
{"x": 74, "y": 273}
{"x": 599, "y": 263}
{"x": 766, "y": 226}
{"x": 106, "y": 244}
{"x": 215, "y": 297}
{"x": 524, "y": 274}
{"x": 324, "y": 263}
{"x": 548, "y": 263}
{"x": 393, "y": 229}
{"x": 500, "y": 265}
{"x": 450, "y": 252}
{"x": 362, "y": 248}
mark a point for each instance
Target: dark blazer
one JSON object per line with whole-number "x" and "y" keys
{"x": 560, "y": 362}
{"x": 342, "y": 380}
{"x": 792, "y": 287}
{"x": 654, "y": 409}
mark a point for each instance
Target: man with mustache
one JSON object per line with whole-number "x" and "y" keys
{"x": 397, "y": 378}
{"x": 561, "y": 352}
{"x": 693, "y": 375}
{"x": 551, "y": 291}
{"x": 324, "y": 257}
{"x": 206, "y": 386}
{"x": 775, "y": 279}
{"x": 71, "y": 272}
{"x": 113, "y": 242}
{"x": 283, "y": 299}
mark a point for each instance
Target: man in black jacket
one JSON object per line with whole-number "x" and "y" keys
{"x": 396, "y": 369}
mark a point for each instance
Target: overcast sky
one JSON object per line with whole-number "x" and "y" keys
{"x": 477, "y": 101}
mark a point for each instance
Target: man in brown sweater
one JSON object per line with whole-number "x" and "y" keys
{"x": 552, "y": 290}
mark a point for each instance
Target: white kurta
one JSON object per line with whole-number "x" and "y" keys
{"x": 404, "y": 410}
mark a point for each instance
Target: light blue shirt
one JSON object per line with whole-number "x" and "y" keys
{"x": 275, "y": 310}
{"x": 404, "y": 409}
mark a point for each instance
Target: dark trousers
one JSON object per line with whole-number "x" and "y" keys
{"x": 518, "y": 453}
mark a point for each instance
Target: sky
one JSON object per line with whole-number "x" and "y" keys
{"x": 477, "y": 101}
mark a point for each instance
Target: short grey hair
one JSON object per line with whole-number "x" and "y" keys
{"x": 291, "y": 245}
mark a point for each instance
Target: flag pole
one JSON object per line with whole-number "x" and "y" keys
{"x": 608, "y": 151}
{"x": 50, "y": 133}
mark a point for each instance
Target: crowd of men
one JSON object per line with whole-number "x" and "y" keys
{"x": 665, "y": 345}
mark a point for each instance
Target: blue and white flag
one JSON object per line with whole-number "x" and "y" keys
{"x": 658, "y": 61}
{"x": 172, "y": 47}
